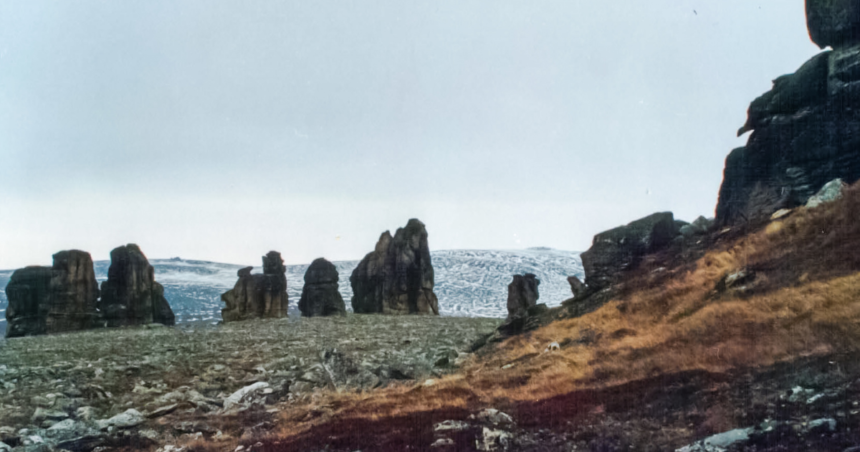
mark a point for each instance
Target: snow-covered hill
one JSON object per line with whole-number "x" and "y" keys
{"x": 469, "y": 283}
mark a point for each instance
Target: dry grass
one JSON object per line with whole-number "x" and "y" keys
{"x": 805, "y": 301}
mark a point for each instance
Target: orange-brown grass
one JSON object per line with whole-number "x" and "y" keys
{"x": 805, "y": 301}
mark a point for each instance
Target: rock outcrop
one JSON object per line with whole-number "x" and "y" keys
{"x": 397, "y": 277}
{"x": 620, "y": 249}
{"x": 577, "y": 287}
{"x": 805, "y": 131}
{"x": 320, "y": 295}
{"x": 28, "y": 292}
{"x": 130, "y": 296}
{"x": 834, "y": 23}
{"x": 522, "y": 295}
{"x": 258, "y": 296}
{"x": 45, "y": 300}
{"x": 74, "y": 293}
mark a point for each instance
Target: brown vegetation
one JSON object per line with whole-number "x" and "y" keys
{"x": 803, "y": 300}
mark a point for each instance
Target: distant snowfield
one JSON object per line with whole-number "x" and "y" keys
{"x": 469, "y": 283}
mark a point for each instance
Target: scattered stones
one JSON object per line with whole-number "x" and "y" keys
{"x": 130, "y": 296}
{"x": 719, "y": 442}
{"x": 495, "y": 440}
{"x": 245, "y": 395}
{"x": 451, "y": 425}
{"x": 258, "y": 296}
{"x": 618, "y": 250}
{"x": 442, "y": 442}
{"x": 397, "y": 277}
{"x": 492, "y": 416}
{"x": 781, "y": 213}
{"x": 129, "y": 418}
{"x": 320, "y": 295}
{"x": 42, "y": 414}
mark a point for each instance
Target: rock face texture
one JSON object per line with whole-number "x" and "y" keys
{"x": 522, "y": 295}
{"x": 44, "y": 300}
{"x": 805, "y": 131}
{"x": 130, "y": 296}
{"x": 28, "y": 292}
{"x": 834, "y": 23}
{"x": 320, "y": 296}
{"x": 74, "y": 293}
{"x": 397, "y": 277}
{"x": 577, "y": 287}
{"x": 620, "y": 249}
{"x": 258, "y": 296}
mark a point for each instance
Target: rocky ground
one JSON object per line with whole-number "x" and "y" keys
{"x": 154, "y": 386}
{"x": 807, "y": 405}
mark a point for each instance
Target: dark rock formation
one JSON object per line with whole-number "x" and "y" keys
{"x": 130, "y": 296}
{"x": 320, "y": 296}
{"x": 620, "y": 249}
{"x": 576, "y": 286}
{"x": 28, "y": 292}
{"x": 397, "y": 277}
{"x": 834, "y": 23}
{"x": 74, "y": 293}
{"x": 522, "y": 295}
{"x": 258, "y": 296}
{"x": 805, "y": 131}
{"x": 61, "y": 298}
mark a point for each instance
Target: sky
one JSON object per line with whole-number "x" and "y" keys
{"x": 219, "y": 130}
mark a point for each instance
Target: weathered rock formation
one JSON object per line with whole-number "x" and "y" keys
{"x": 620, "y": 249}
{"x": 258, "y": 296}
{"x": 130, "y": 296}
{"x": 320, "y": 296}
{"x": 834, "y": 23}
{"x": 577, "y": 287}
{"x": 522, "y": 295}
{"x": 74, "y": 293}
{"x": 806, "y": 130}
{"x": 44, "y": 300}
{"x": 397, "y": 277}
{"x": 28, "y": 292}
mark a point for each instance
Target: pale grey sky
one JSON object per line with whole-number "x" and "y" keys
{"x": 218, "y": 130}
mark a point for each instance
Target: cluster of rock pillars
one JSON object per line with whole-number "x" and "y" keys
{"x": 804, "y": 148}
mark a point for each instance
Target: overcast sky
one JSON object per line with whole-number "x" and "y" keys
{"x": 219, "y": 130}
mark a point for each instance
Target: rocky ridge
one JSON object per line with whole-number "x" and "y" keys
{"x": 805, "y": 131}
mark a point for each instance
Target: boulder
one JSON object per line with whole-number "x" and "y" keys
{"x": 258, "y": 296}
{"x": 522, "y": 295}
{"x": 130, "y": 296}
{"x": 397, "y": 277}
{"x": 805, "y": 133}
{"x": 28, "y": 293}
{"x": 320, "y": 295}
{"x": 74, "y": 293}
{"x": 830, "y": 192}
{"x": 618, "y": 250}
{"x": 834, "y": 23}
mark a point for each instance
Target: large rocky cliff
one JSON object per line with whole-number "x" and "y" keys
{"x": 806, "y": 130}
